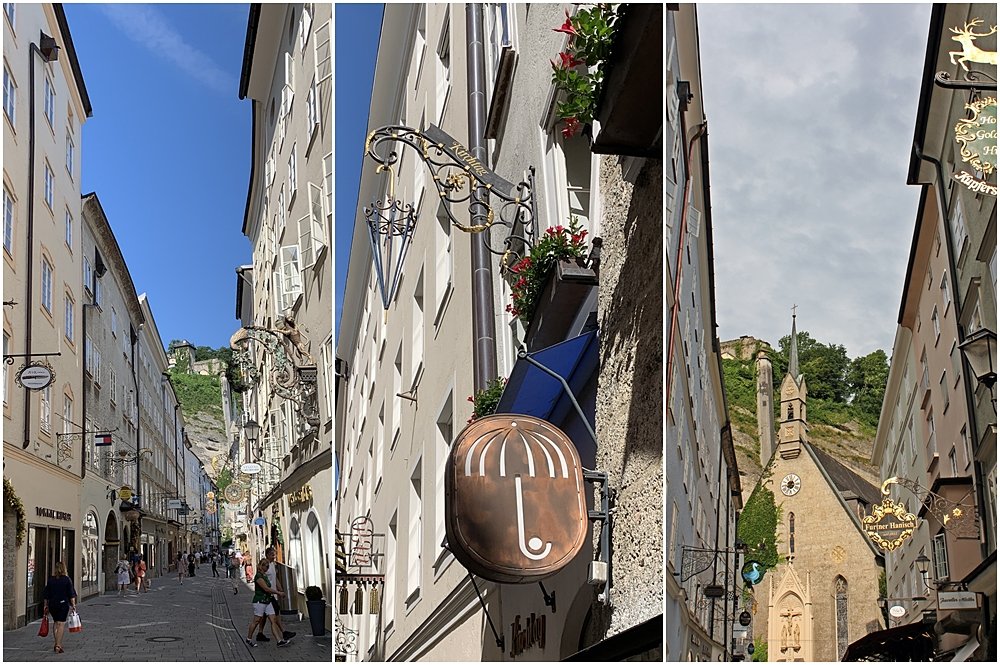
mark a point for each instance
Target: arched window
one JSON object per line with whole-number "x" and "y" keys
{"x": 791, "y": 533}
{"x": 791, "y": 412}
{"x": 840, "y": 593}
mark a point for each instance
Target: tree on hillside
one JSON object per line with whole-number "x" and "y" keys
{"x": 825, "y": 366}
{"x": 867, "y": 377}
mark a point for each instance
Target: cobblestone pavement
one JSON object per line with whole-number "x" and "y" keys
{"x": 201, "y": 620}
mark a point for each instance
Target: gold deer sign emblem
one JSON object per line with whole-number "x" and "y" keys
{"x": 970, "y": 52}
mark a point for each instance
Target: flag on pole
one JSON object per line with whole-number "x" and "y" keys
{"x": 102, "y": 439}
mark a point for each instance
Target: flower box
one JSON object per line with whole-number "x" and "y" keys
{"x": 558, "y": 306}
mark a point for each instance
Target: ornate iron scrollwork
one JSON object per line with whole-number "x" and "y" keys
{"x": 957, "y": 517}
{"x": 347, "y": 639}
{"x": 695, "y": 560}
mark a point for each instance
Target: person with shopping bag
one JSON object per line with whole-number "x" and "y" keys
{"x": 60, "y": 598}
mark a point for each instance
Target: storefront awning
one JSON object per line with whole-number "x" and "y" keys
{"x": 912, "y": 642}
{"x": 965, "y": 652}
{"x": 532, "y": 392}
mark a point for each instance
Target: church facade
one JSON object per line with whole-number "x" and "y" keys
{"x": 824, "y": 593}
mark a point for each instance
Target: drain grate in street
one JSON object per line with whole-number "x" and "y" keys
{"x": 164, "y": 638}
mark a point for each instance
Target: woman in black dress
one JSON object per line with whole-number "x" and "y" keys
{"x": 59, "y": 597}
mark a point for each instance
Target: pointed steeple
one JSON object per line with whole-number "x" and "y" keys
{"x": 793, "y": 355}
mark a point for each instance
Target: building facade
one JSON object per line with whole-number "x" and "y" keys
{"x": 408, "y": 366}
{"x": 287, "y": 347}
{"x": 703, "y": 492}
{"x": 45, "y": 107}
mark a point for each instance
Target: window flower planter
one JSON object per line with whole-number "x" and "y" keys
{"x": 567, "y": 287}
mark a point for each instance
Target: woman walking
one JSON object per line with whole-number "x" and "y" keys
{"x": 179, "y": 563}
{"x": 263, "y": 610}
{"x": 140, "y": 574}
{"x": 59, "y": 597}
{"x": 123, "y": 576}
{"x": 191, "y": 565}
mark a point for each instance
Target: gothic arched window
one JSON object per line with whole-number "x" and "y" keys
{"x": 791, "y": 533}
{"x": 840, "y": 593}
{"x": 791, "y": 412}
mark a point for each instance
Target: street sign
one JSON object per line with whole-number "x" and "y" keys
{"x": 35, "y": 377}
{"x": 957, "y": 600}
{"x": 260, "y": 521}
{"x": 103, "y": 439}
{"x": 173, "y": 504}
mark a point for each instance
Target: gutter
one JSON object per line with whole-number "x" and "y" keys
{"x": 253, "y": 20}
{"x": 926, "y": 88}
{"x": 73, "y": 61}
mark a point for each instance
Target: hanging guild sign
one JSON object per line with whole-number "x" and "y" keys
{"x": 977, "y": 138}
{"x": 461, "y": 154}
{"x": 35, "y": 376}
{"x": 125, "y": 493}
{"x": 889, "y": 524}
{"x": 515, "y": 504}
{"x": 753, "y": 572}
{"x": 362, "y": 536}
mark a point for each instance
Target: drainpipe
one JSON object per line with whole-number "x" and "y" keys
{"x": 484, "y": 346}
{"x": 966, "y": 383}
{"x": 134, "y": 340}
{"x": 28, "y": 304}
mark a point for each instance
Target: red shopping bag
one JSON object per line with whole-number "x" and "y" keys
{"x": 74, "y": 623}
{"x": 43, "y": 630}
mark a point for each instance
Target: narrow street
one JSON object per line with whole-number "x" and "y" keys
{"x": 200, "y": 620}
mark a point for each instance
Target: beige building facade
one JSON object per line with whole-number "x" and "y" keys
{"x": 287, "y": 75}
{"x": 45, "y": 106}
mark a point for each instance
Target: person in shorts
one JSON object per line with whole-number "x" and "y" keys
{"x": 272, "y": 572}
{"x": 263, "y": 610}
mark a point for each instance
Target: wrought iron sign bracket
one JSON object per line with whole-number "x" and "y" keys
{"x": 458, "y": 178}
{"x": 605, "y": 516}
{"x": 550, "y": 598}
{"x": 959, "y": 518}
{"x": 695, "y": 560}
{"x": 970, "y": 81}
{"x": 498, "y": 637}
{"x": 9, "y": 357}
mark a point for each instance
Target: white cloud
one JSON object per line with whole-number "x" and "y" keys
{"x": 149, "y": 28}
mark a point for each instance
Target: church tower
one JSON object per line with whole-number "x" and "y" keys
{"x": 792, "y": 431}
{"x": 765, "y": 411}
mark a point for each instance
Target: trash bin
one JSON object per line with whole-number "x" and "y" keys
{"x": 286, "y": 575}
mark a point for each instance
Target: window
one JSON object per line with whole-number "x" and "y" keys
{"x": 69, "y": 229}
{"x": 936, "y": 320}
{"x": 791, "y": 533}
{"x": 397, "y": 406}
{"x": 939, "y": 551}
{"x": 50, "y": 102}
{"x": 8, "y": 221}
{"x": 442, "y": 72}
{"x": 312, "y": 238}
{"x": 417, "y": 330}
{"x": 69, "y": 317}
{"x": 114, "y": 322}
{"x": 945, "y": 293}
{"x": 70, "y": 149}
{"x": 9, "y": 93}
{"x": 46, "y": 285}
{"x": 945, "y": 393}
{"x": 46, "y": 411}
{"x": 305, "y": 26}
{"x": 289, "y": 73}
{"x": 415, "y": 536}
{"x": 953, "y": 461}
{"x": 88, "y": 275}
{"x": 49, "y": 186}
{"x": 389, "y": 597}
{"x": 931, "y": 439}
{"x": 444, "y": 434}
{"x": 443, "y": 262}
{"x": 291, "y": 276}
{"x": 67, "y": 414}
{"x": 8, "y": 9}
{"x": 840, "y": 591}
{"x": 419, "y": 47}
{"x": 958, "y": 233}
{"x": 499, "y": 32}
{"x": 328, "y": 185}
{"x": 293, "y": 180}
{"x": 312, "y": 107}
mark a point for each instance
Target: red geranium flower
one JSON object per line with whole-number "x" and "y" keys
{"x": 572, "y": 125}
{"x": 566, "y": 27}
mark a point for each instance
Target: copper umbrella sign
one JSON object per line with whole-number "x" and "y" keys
{"x": 515, "y": 508}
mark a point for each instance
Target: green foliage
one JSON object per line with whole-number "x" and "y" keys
{"x": 824, "y": 366}
{"x": 532, "y": 272}
{"x": 579, "y": 71}
{"x": 882, "y": 587}
{"x": 760, "y": 649}
{"x": 484, "y": 403}
{"x": 867, "y": 377}
{"x": 197, "y": 393}
{"x": 223, "y": 480}
{"x": 758, "y": 524}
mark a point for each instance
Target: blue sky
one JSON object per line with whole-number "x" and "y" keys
{"x": 356, "y": 45}
{"x": 168, "y": 153}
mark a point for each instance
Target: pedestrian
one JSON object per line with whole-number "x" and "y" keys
{"x": 191, "y": 565}
{"x": 140, "y": 575}
{"x": 229, "y": 565}
{"x": 60, "y": 597}
{"x": 234, "y": 562}
{"x": 179, "y": 563}
{"x": 270, "y": 555}
{"x": 248, "y": 567}
{"x": 123, "y": 576}
{"x": 215, "y": 565}
{"x": 263, "y": 610}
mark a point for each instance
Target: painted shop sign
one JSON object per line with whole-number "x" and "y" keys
{"x": 957, "y": 600}
{"x": 304, "y": 495}
{"x": 889, "y": 524}
{"x": 53, "y": 514}
{"x": 35, "y": 376}
{"x": 532, "y": 634}
{"x": 977, "y": 140}
{"x": 515, "y": 506}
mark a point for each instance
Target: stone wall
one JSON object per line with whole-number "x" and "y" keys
{"x": 10, "y": 566}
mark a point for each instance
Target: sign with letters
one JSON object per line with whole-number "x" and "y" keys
{"x": 889, "y": 524}
{"x": 35, "y": 376}
{"x": 461, "y": 154}
{"x": 977, "y": 140}
{"x": 957, "y": 600}
{"x": 515, "y": 504}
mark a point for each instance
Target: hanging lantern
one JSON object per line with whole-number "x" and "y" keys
{"x": 390, "y": 230}
{"x": 373, "y": 600}
{"x": 359, "y": 600}
{"x": 343, "y": 599}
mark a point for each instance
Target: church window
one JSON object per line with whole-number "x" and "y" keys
{"x": 791, "y": 412}
{"x": 840, "y": 591}
{"x": 791, "y": 533}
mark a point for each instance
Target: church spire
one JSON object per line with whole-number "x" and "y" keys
{"x": 793, "y": 355}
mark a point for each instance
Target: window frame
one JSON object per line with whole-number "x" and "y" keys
{"x": 47, "y": 277}
{"x": 9, "y": 220}
{"x": 9, "y": 96}
{"x": 49, "y": 102}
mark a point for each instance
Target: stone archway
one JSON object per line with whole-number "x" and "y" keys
{"x": 112, "y": 549}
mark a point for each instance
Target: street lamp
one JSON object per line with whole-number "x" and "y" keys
{"x": 978, "y": 349}
{"x": 252, "y": 431}
{"x": 923, "y": 565}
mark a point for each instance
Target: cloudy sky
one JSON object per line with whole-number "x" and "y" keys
{"x": 811, "y": 110}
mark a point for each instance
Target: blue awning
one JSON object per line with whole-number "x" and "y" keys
{"x": 532, "y": 392}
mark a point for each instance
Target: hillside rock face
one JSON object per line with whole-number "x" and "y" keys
{"x": 207, "y": 434}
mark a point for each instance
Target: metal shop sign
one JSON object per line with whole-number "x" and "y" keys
{"x": 53, "y": 514}
{"x": 889, "y": 524}
{"x": 35, "y": 376}
{"x": 957, "y": 600}
{"x": 461, "y": 154}
{"x": 362, "y": 537}
{"x": 531, "y": 634}
{"x": 977, "y": 140}
{"x": 515, "y": 506}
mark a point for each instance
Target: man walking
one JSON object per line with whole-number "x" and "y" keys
{"x": 215, "y": 565}
{"x": 272, "y": 572}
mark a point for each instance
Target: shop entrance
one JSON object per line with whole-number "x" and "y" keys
{"x": 46, "y": 546}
